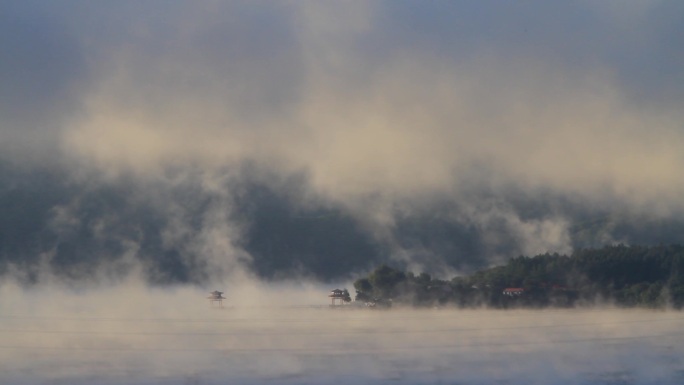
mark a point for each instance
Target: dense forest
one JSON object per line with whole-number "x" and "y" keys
{"x": 622, "y": 275}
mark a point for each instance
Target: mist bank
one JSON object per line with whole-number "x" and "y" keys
{"x": 133, "y": 334}
{"x": 318, "y": 140}
{"x": 622, "y": 276}
{"x": 192, "y": 226}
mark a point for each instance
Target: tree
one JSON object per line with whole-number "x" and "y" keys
{"x": 630, "y": 275}
{"x": 345, "y": 295}
{"x": 364, "y": 289}
{"x": 384, "y": 279}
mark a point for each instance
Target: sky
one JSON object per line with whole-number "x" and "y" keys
{"x": 277, "y": 139}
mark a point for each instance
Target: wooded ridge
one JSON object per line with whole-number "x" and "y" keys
{"x": 621, "y": 275}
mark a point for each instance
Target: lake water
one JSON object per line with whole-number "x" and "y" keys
{"x": 319, "y": 345}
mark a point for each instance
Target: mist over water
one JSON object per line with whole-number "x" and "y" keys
{"x": 151, "y": 152}
{"x": 131, "y": 334}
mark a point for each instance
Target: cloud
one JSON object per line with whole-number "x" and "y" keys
{"x": 414, "y": 123}
{"x": 384, "y": 111}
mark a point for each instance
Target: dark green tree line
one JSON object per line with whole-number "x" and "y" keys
{"x": 626, "y": 275}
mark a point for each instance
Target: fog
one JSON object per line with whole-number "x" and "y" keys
{"x": 288, "y": 334}
{"x": 503, "y": 128}
{"x": 151, "y": 152}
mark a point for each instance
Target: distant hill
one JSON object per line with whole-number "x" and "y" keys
{"x": 178, "y": 230}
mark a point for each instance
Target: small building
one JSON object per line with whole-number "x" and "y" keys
{"x": 216, "y": 297}
{"x": 340, "y": 296}
{"x": 514, "y": 291}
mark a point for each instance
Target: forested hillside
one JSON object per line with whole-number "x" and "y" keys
{"x": 623, "y": 275}
{"x": 180, "y": 230}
